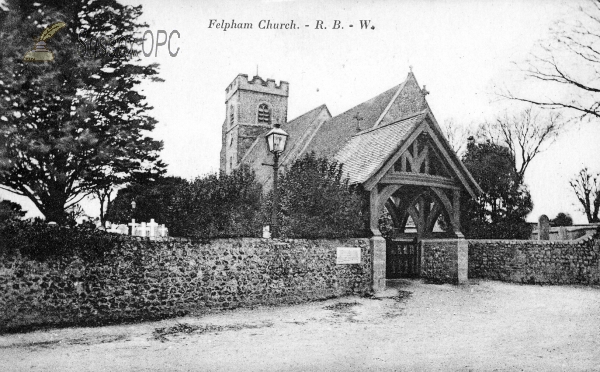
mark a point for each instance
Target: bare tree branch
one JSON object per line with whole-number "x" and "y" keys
{"x": 526, "y": 134}
{"x": 586, "y": 187}
{"x": 570, "y": 58}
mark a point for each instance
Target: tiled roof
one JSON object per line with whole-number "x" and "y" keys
{"x": 300, "y": 131}
{"x": 335, "y": 132}
{"x": 297, "y": 129}
{"x": 365, "y": 153}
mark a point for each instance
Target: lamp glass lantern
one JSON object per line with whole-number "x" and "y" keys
{"x": 276, "y": 139}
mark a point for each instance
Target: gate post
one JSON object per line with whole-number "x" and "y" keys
{"x": 462, "y": 252}
{"x": 378, "y": 261}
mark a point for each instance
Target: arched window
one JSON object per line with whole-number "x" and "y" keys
{"x": 231, "y": 116}
{"x": 264, "y": 114}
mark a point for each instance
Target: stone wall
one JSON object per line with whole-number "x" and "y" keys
{"x": 568, "y": 232}
{"x": 527, "y": 261}
{"x": 151, "y": 280}
{"x": 444, "y": 260}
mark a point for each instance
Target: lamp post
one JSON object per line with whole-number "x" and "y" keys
{"x": 133, "y": 209}
{"x": 276, "y": 141}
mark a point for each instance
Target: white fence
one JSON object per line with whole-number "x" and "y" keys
{"x": 151, "y": 230}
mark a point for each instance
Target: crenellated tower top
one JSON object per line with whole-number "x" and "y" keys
{"x": 257, "y": 84}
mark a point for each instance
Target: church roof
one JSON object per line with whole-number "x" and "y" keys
{"x": 365, "y": 153}
{"x": 298, "y": 129}
{"x": 335, "y": 132}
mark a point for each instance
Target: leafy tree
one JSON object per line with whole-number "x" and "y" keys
{"x": 153, "y": 200}
{"x": 586, "y": 187}
{"x": 71, "y": 126}
{"x": 10, "y": 211}
{"x": 568, "y": 62}
{"x": 562, "y": 219}
{"x": 500, "y": 212}
{"x": 227, "y": 205}
{"x": 317, "y": 202}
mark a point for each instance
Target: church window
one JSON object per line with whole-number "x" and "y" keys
{"x": 231, "y": 141}
{"x": 231, "y": 115}
{"x": 264, "y": 114}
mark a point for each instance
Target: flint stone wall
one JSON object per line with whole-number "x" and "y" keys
{"x": 527, "y": 261}
{"x": 444, "y": 260}
{"x": 152, "y": 280}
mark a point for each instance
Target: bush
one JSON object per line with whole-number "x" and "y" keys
{"x": 317, "y": 202}
{"x": 153, "y": 200}
{"x": 222, "y": 206}
{"x": 213, "y": 206}
{"x": 40, "y": 241}
{"x": 562, "y": 219}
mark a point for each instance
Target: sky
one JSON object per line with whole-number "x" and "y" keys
{"x": 465, "y": 52}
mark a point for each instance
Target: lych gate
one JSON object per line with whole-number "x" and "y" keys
{"x": 414, "y": 177}
{"x": 421, "y": 181}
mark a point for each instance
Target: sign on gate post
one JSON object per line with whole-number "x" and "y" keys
{"x": 348, "y": 256}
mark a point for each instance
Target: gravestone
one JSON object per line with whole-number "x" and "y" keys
{"x": 152, "y": 228}
{"x": 562, "y": 233}
{"x": 163, "y": 231}
{"x": 123, "y": 230}
{"x": 544, "y": 228}
{"x": 133, "y": 226}
{"x": 266, "y": 232}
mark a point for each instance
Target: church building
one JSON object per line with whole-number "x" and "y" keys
{"x": 391, "y": 144}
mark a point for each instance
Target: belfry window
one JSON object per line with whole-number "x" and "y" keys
{"x": 264, "y": 114}
{"x": 231, "y": 115}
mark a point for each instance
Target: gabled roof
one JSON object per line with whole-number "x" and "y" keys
{"x": 335, "y": 132}
{"x": 368, "y": 155}
{"x": 366, "y": 152}
{"x": 299, "y": 131}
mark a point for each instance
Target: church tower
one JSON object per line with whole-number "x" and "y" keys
{"x": 252, "y": 108}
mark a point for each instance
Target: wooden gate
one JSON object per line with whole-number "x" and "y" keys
{"x": 403, "y": 258}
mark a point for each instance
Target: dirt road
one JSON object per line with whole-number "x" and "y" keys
{"x": 486, "y": 326}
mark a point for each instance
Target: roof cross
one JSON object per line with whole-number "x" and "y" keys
{"x": 424, "y": 91}
{"x": 358, "y": 119}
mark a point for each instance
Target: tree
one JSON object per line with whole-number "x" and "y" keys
{"x": 562, "y": 219}
{"x": 316, "y": 201}
{"x": 568, "y": 63}
{"x": 500, "y": 211}
{"x": 525, "y": 134}
{"x": 213, "y": 206}
{"x": 218, "y": 206}
{"x": 153, "y": 198}
{"x": 586, "y": 187}
{"x": 456, "y": 135}
{"x": 10, "y": 211}
{"x": 70, "y": 126}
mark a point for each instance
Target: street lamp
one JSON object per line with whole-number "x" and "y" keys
{"x": 133, "y": 209}
{"x": 276, "y": 140}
